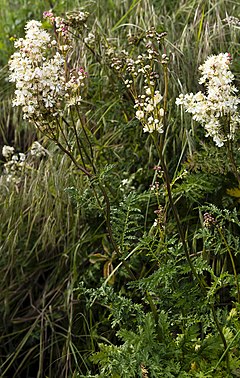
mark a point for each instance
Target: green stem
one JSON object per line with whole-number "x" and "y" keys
{"x": 233, "y": 162}
{"x": 155, "y": 314}
{"x": 82, "y": 169}
{"x": 77, "y": 138}
{"x": 86, "y": 135}
{"x": 201, "y": 281}
{"x": 232, "y": 261}
{"x": 224, "y": 353}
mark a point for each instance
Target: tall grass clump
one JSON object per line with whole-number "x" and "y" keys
{"x": 120, "y": 191}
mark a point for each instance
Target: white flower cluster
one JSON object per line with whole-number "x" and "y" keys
{"x": 149, "y": 112}
{"x": 77, "y": 19}
{"x": 234, "y": 21}
{"x": 7, "y": 151}
{"x": 17, "y": 163}
{"x": 217, "y": 109}
{"x": 117, "y": 61}
{"x": 14, "y": 165}
{"x": 43, "y": 85}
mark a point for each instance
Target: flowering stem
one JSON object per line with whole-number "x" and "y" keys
{"x": 165, "y": 96}
{"x": 232, "y": 161}
{"x": 155, "y": 314}
{"x": 168, "y": 181}
{"x": 200, "y": 280}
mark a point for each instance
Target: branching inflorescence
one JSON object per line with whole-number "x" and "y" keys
{"x": 149, "y": 108}
{"x": 45, "y": 84}
{"x": 216, "y": 108}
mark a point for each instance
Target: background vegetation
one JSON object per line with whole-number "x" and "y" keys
{"x": 70, "y": 305}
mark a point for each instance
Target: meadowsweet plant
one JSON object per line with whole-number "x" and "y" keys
{"x": 49, "y": 90}
{"x": 216, "y": 110}
{"x": 217, "y": 107}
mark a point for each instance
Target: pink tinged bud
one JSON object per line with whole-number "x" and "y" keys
{"x": 81, "y": 71}
{"x": 157, "y": 168}
{"x": 48, "y": 14}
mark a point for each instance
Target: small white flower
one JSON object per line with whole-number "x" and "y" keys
{"x": 140, "y": 114}
{"x": 179, "y": 100}
{"x": 161, "y": 112}
{"x": 157, "y": 98}
{"x": 149, "y": 108}
{"x": 148, "y": 91}
{"x": 15, "y": 158}
{"x": 22, "y": 157}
